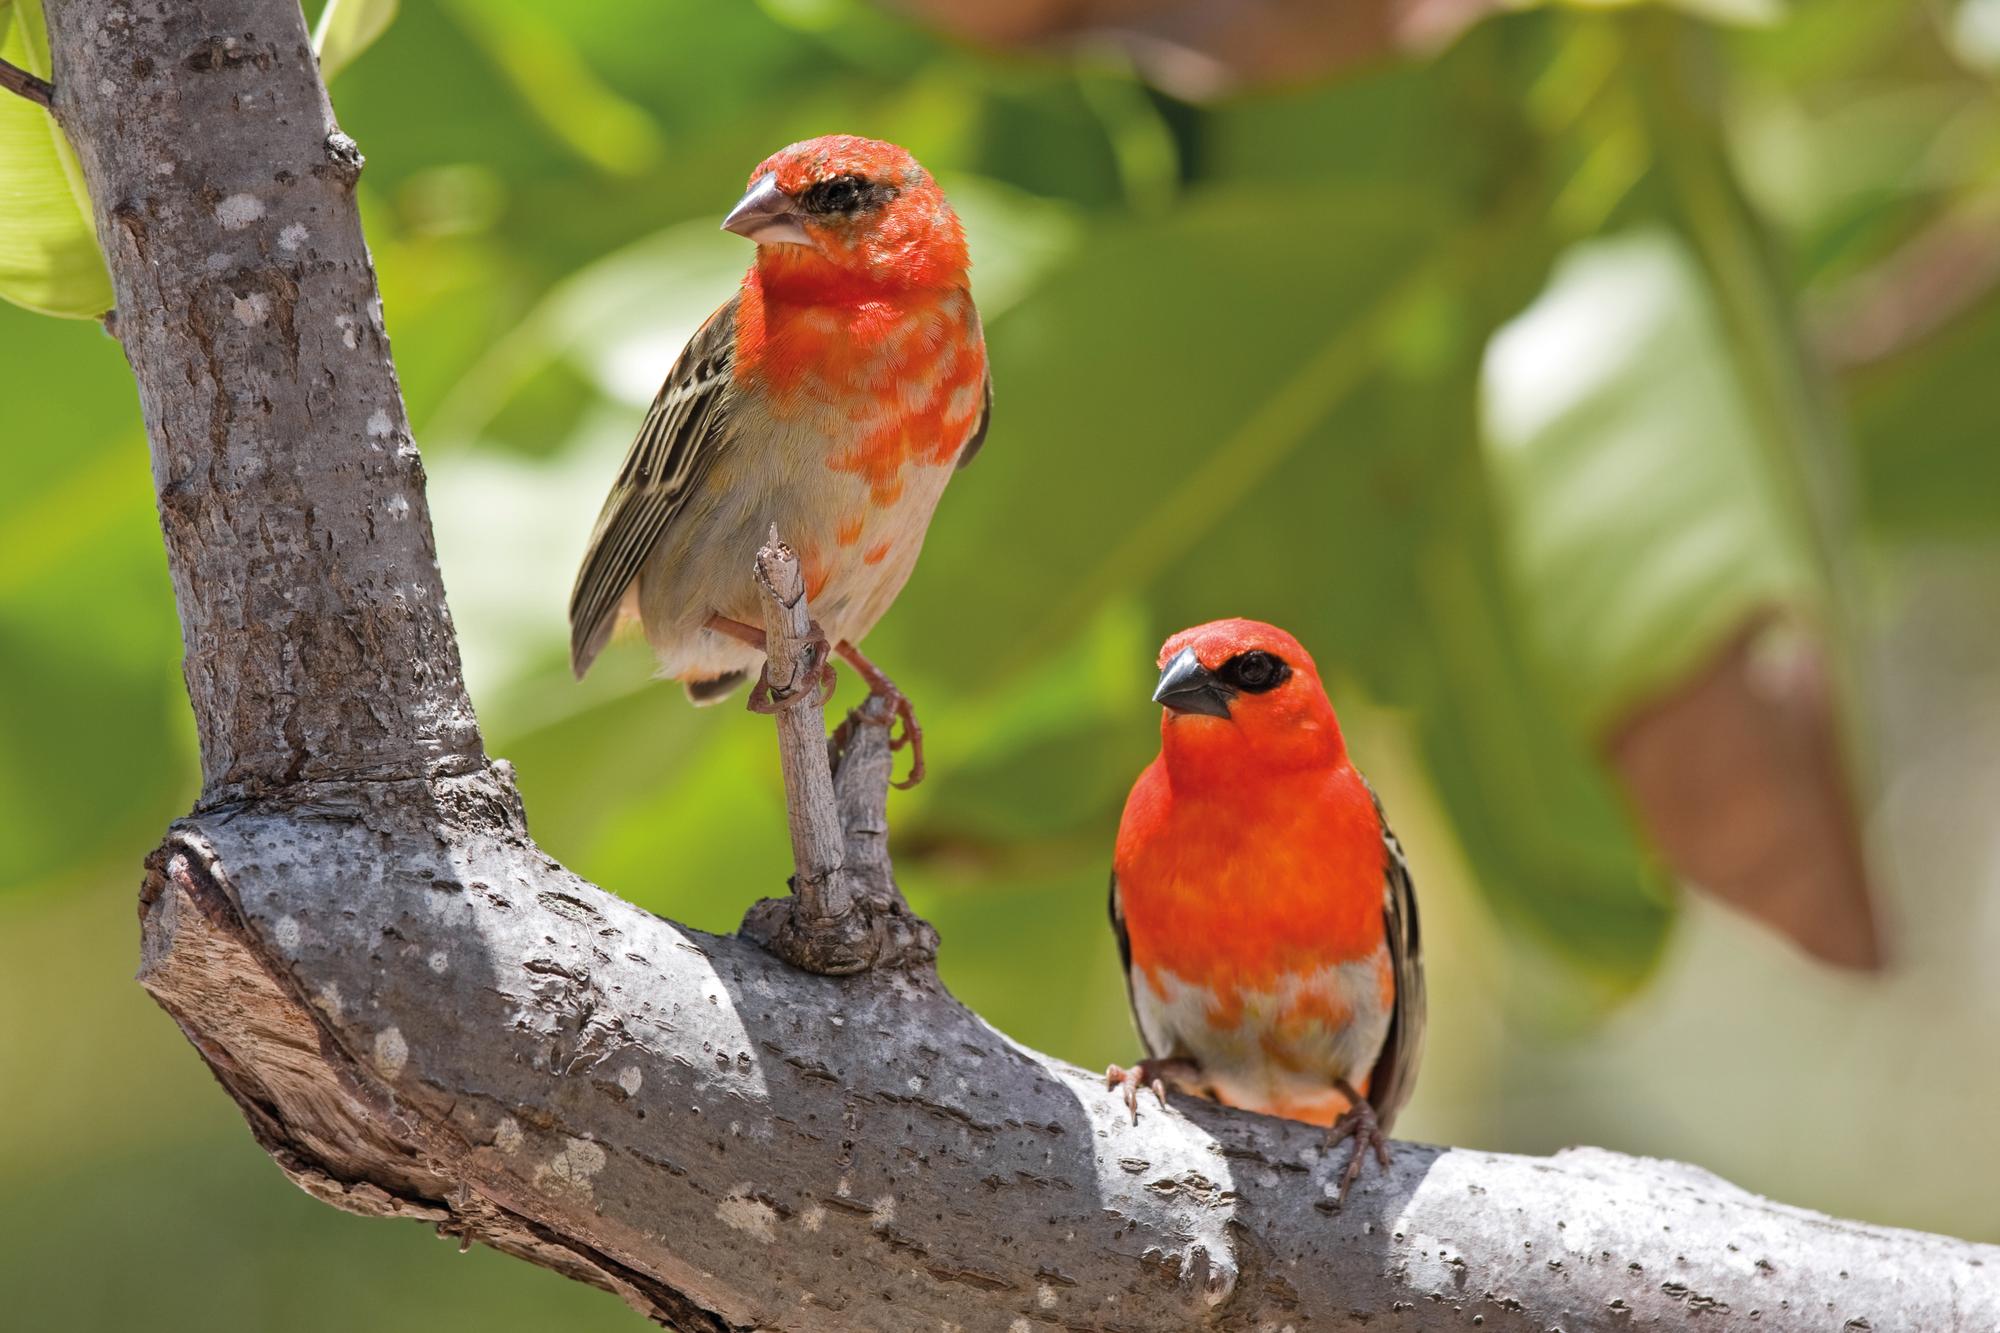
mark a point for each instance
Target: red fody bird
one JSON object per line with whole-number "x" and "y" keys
{"x": 832, "y": 396}
{"x": 1263, "y": 908}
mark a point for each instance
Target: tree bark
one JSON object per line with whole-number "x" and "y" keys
{"x": 422, "y": 1015}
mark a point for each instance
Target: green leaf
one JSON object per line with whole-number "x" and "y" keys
{"x": 49, "y": 261}
{"x": 1741, "y": 13}
{"x": 555, "y": 82}
{"x": 346, "y": 28}
{"x": 1644, "y": 524}
{"x": 1926, "y": 423}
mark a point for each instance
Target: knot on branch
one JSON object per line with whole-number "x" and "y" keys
{"x": 343, "y": 159}
{"x": 845, "y": 913}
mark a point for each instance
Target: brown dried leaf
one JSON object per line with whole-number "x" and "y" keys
{"x": 1739, "y": 780}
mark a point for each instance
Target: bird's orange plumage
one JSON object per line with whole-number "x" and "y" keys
{"x": 874, "y": 321}
{"x": 833, "y": 396}
{"x": 1260, "y": 898}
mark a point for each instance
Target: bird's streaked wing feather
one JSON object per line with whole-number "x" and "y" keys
{"x": 1395, "y": 1072}
{"x": 677, "y": 443}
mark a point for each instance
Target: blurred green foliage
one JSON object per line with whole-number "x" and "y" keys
{"x": 1266, "y": 358}
{"x": 48, "y": 253}
{"x": 346, "y": 28}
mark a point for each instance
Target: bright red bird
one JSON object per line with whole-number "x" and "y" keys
{"x": 1263, "y": 908}
{"x": 833, "y": 395}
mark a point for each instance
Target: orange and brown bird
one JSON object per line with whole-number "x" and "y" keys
{"x": 832, "y": 396}
{"x": 1262, "y": 906}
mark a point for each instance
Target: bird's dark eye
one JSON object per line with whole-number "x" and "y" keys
{"x": 1255, "y": 672}
{"x": 839, "y": 194}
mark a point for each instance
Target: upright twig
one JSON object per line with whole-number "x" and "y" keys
{"x": 797, "y": 656}
{"x": 23, "y": 84}
{"x": 823, "y": 926}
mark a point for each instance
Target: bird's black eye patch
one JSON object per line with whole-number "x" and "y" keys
{"x": 844, "y": 196}
{"x": 1255, "y": 672}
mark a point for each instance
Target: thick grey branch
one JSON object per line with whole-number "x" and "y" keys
{"x": 467, "y": 1034}
{"x": 290, "y": 491}
{"x": 422, "y": 1015}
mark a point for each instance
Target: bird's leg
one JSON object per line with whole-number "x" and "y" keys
{"x": 1357, "y": 1122}
{"x": 1150, "y": 1073}
{"x": 899, "y": 703}
{"x": 739, "y": 631}
{"x": 764, "y": 695}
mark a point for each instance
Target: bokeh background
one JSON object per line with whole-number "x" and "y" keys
{"x": 1606, "y": 394}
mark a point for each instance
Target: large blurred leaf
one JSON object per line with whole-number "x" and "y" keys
{"x": 1929, "y": 434}
{"x": 49, "y": 261}
{"x": 1644, "y": 523}
{"x": 536, "y": 53}
{"x": 346, "y": 28}
{"x": 1655, "y": 549}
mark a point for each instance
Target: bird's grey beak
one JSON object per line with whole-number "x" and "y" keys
{"x": 766, "y": 215}
{"x": 1186, "y": 686}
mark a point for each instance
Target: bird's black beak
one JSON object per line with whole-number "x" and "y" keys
{"x": 766, "y": 215}
{"x": 1186, "y": 686}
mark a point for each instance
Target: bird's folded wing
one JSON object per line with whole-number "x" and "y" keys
{"x": 978, "y": 436}
{"x": 1158, "y": 1046}
{"x": 678, "y": 442}
{"x": 1395, "y": 1072}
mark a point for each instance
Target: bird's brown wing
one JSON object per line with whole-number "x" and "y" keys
{"x": 1395, "y": 1072}
{"x": 682, "y": 433}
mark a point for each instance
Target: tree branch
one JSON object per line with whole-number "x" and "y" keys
{"x": 422, "y": 1015}
{"x": 21, "y": 83}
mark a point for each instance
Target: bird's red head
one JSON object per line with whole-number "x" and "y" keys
{"x": 1243, "y": 696}
{"x": 837, "y": 211}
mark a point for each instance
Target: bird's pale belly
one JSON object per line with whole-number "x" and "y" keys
{"x": 1276, "y": 1047}
{"x": 857, "y": 555}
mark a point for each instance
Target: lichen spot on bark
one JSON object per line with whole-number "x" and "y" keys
{"x": 238, "y": 211}
{"x": 752, "y": 1216}
{"x": 391, "y": 1052}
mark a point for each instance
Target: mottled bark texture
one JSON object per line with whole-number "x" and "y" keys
{"x": 422, "y": 1015}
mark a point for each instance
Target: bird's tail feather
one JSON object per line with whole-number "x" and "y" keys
{"x": 714, "y": 689}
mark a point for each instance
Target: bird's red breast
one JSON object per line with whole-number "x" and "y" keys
{"x": 1235, "y": 883}
{"x": 1251, "y": 846}
{"x": 902, "y": 367}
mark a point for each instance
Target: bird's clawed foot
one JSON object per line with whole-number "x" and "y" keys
{"x": 879, "y": 684}
{"x": 1357, "y": 1122}
{"x": 767, "y": 696}
{"x": 1151, "y": 1074}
